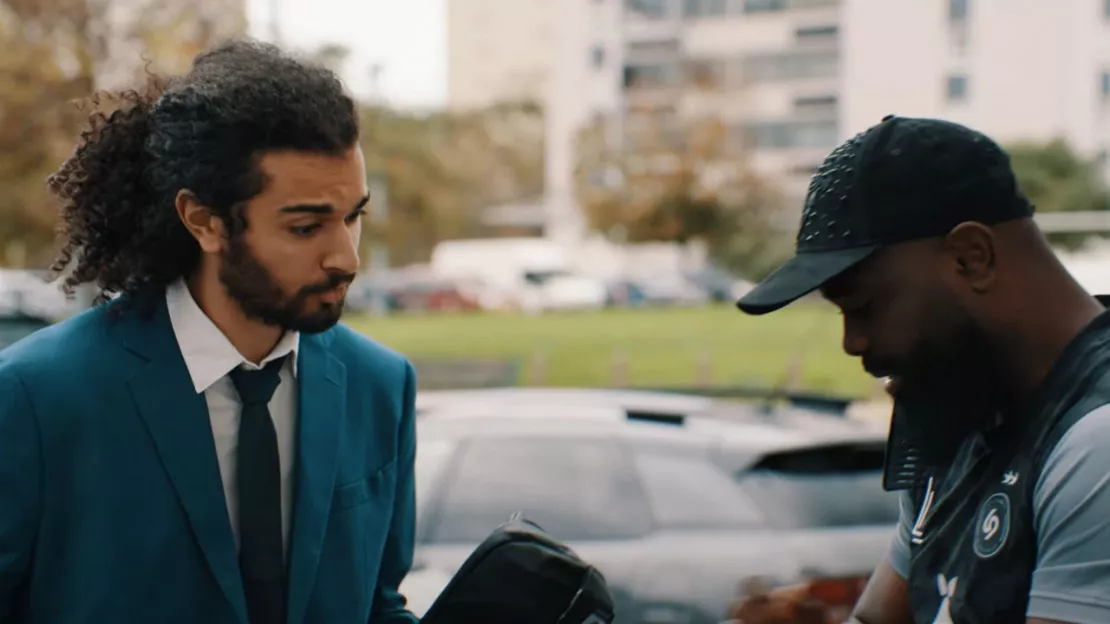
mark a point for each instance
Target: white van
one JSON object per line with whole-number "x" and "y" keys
{"x": 530, "y": 274}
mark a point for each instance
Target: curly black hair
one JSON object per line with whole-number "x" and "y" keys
{"x": 202, "y": 132}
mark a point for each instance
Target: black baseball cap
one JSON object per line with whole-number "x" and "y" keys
{"x": 903, "y": 179}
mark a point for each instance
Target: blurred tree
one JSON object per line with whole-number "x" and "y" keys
{"x": 57, "y": 52}
{"x": 444, "y": 169}
{"x": 661, "y": 180}
{"x": 1055, "y": 178}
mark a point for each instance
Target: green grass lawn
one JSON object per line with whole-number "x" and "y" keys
{"x": 658, "y": 347}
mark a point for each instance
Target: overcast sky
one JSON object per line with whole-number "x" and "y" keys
{"x": 405, "y": 37}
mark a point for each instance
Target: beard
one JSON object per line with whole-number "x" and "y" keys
{"x": 261, "y": 298}
{"x": 947, "y": 387}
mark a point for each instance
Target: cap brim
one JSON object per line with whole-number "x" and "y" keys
{"x": 801, "y": 275}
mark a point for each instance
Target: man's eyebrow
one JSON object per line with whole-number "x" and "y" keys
{"x": 321, "y": 209}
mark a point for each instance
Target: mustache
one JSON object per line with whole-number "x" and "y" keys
{"x": 335, "y": 280}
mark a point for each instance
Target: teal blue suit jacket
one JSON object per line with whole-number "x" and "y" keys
{"x": 111, "y": 504}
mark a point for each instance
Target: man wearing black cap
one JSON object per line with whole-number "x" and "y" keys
{"x": 999, "y": 364}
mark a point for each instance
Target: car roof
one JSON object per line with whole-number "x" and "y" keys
{"x": 427, "y": 401}
{"x": 643, "y": 417}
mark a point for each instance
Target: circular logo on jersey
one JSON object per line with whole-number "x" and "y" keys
{"x": 992, "y": 526}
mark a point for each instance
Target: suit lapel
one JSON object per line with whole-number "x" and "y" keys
{"x": 177, "y": 419}
{"x": 322, "y": 381}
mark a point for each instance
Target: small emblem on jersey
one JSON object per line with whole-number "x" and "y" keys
{"x": 992, "y": 526}
{"x": 1010, "y": 478}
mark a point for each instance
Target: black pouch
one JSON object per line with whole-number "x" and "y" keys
{"x": 520, "y": 575}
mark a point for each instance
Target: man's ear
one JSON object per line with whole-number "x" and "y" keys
{"x": 206, "y": 228}
{"x": 971, "y": 246}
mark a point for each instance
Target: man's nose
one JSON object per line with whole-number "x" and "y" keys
{"x": 342, "y": 252}
{"x": 854, "y": 342}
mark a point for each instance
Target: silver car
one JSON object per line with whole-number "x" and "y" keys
{"x": 677, "y": 499}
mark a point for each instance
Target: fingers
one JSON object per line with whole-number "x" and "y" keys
{"x": 794, "y": 604}
{"x": 784, "y": 605}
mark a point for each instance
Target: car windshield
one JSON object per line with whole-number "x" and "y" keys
{"x": 687, "y": 491}
{"x": 574, "y": 489}
{"x": 539, "y": 278}
{"x": 834, "y": 486}
{"x": 589, "y": 489}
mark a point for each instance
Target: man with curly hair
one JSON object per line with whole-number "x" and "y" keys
{"x": 210, "y": 445}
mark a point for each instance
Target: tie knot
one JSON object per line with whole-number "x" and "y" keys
{"x": 256, "y": 387}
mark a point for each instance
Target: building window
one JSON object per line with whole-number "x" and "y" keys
{"x": 648, "y": 75}
{"x": 956, "y": 90}
{"x": 816, "y": 34}
{"x": 703, "y": 8}
{"x": 957, "y": 10}
{"x": 1104, "y": 86}
{"x": 653, "y": 9}
{"x": 667, "y": 47}
{"x": 597, "y": 56}
{"x": 818, "y": 104}
{"x": 789, "y": 66}
{"x": 764, "y": 6}
{"x": 1106, "y": 9}
{"x": 792, "y": 134}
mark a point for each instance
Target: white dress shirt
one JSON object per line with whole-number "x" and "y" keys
{"x": 210, "y": 357}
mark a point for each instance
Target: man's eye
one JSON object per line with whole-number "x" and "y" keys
{"x": 304, "y": 230}
{"x": 354, "y": 216}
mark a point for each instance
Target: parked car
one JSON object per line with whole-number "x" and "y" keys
{"x": 372, "y": 292}
{"x": 29, "y": 292}
{"x": 672, "y": 291}
{"x": 719, "y": 285}
{"x": 557, "y": 290}
{"x": 17, "y": 326}
{"x": 432, "y": 294}
{"x": 677, "y": 499}
{"x": 410, "y": 289}
{"x": 624, "y": 293}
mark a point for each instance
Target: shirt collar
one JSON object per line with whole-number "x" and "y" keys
{"x": 207, "y": 352}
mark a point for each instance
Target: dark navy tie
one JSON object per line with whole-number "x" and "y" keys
{"x": 261, "y": 550}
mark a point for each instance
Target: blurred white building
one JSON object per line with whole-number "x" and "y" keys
{"x": 769, "y": 68}
{"x": 498, "y": 51}
{"x": 1014, "y": 69}
{"x": 792, "y": 77}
